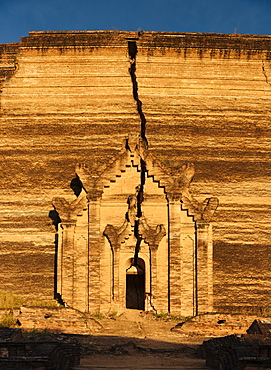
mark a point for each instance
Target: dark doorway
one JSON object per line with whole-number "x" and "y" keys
{"x": 135, "y": 286}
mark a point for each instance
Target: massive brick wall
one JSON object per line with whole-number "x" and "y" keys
{"x": 67, "y": 98}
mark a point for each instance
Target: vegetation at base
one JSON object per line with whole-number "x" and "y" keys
{"x": 41, "y": 303}
{"x": 10, "y": 301}
{"x": 160, "y": 316}
{"x": 39, "y": 334}
{"x": 98, "y": 315}
{"x": 7, "y": 321}
{"x": 109, "y": 315}
{"x": 169, "y": 317}
{"x": 113, "y": 315}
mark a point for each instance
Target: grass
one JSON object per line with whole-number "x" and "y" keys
{"x": 98, "y": 315}
{"x": 160, "y": 316}
{"x": 36, "y": 334}
{"x": 10, "y": 301}
{"x": 7, "y": 321}
{"x": 101, "y": 316}
{"x": 41, "y": 303}
{"x": 168, "y": 317}
{"x": 113, "y": 315}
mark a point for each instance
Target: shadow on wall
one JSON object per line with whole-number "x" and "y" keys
{"x": 76, "y": 186}
{"x": 53, "y": 215}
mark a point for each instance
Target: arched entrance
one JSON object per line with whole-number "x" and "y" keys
{"x": 135, "y": 285}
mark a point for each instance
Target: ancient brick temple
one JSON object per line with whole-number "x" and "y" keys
{"x": 136, "y": 238}
{"x": 176, "y": 98}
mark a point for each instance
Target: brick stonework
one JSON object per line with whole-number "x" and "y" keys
{"x": 72, "y": 97}
{"x": 137, "y": 228}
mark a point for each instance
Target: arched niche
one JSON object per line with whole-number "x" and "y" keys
{"x": 135, "y": 284}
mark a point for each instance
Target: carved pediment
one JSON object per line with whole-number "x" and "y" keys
{"x": 151, "y": 236}
{"x": 202, "y": 211}
{"x": 135, "y": 152}
{"x": 116, "y": 236}
{"x": 69, "y": 211}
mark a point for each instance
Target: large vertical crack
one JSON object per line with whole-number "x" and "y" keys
{"x": 132, "y": 51}
{"x": 265, "y": 74}
{"x": 140, "y": 198}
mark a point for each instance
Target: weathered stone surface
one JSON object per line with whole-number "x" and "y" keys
{"x": 67, "y": 98}
{"x": 63, "y": 320}
{"x": 214, "y": 324}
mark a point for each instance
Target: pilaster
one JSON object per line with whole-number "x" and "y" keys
{"x": 116, "y": 236}
{"x": 153, "y": 237}
{"x": 175, "y": 258}
{"x": 188, "y": 277}
{"x": 81, "y": 268}
{"x": 94, "y": 252}
{"x": 204, "y": 267}
{"x": 66, "y": 277}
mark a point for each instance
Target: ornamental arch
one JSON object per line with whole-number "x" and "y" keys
{"x": 135, "y": 209}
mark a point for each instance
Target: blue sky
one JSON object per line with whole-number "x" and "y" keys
{"x": 18, "y": 17}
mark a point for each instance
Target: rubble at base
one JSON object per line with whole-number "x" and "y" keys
{"x": 238, "y": 352}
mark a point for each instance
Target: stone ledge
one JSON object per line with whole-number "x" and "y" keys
{"x": 61, "y": 319}
{"x": 216, "y": 324}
